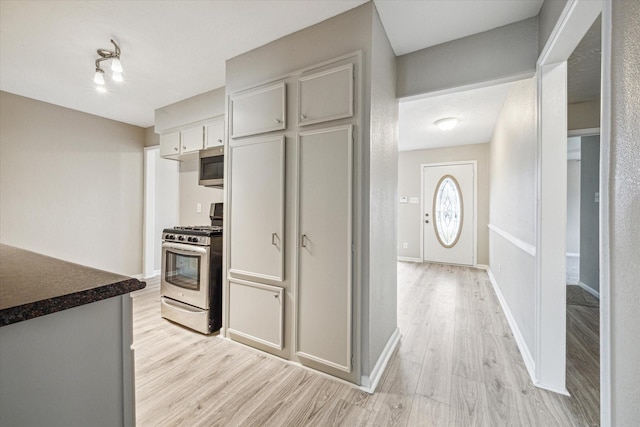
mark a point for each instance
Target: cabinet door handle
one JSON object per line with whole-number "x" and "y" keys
{"x": 175, "y": 148}
{"x": 278, "y": 121}
{"x": 302, "y": 239}
{"x": 184, "y": 147}
{"x": 303, "y": 116}
{"x": 273, "y": 239}
{"x": 219, "y": 140}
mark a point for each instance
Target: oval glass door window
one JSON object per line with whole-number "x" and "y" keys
{"x": 448, "y": 211}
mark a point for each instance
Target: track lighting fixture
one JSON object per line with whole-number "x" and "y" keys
{"x": 116, "y": 66}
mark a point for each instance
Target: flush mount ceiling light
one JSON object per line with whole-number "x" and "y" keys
{"x": 116, "y": 66}
{"x": 447, "y": 123}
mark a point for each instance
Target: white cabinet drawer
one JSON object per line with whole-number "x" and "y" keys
{"x": 258, "y": 110}
{"x": 256, "y": 312}
{"x": 326, "y": 95}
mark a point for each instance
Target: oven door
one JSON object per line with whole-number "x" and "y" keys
{"x": 185, "y": 273}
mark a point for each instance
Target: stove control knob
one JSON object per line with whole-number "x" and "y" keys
{"x": 190, "y": 239}
{"x": 180, "y": 237}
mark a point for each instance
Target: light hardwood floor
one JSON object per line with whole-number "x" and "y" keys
{"x": 457, "y": 365}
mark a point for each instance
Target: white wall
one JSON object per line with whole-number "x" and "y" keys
{"x": 409, "y": 177}
{"x": 623, "y": 208}
{"x": 192, "y": 194}
{"x": 512, "y": 206}
{"x": 166, "y": 202}
{"x": 71, "y": 185}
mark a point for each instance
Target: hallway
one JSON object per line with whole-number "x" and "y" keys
{"x": 457, "y": 365}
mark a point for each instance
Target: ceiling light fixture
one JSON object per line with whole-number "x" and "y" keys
{"x": 447, "y": 123}
{"x": 116, "y": 66}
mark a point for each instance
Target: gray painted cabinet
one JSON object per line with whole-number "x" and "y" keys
{"x": 257, "y": 208}
{"x": 325, "y": 95}
{"x": 258, "y": 110}
{"x": 256, "y": 312}
{"x": 324, "y": 291}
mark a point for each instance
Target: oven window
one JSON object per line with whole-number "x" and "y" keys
{"x": 183, "y": 270}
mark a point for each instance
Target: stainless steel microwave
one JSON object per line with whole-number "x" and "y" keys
{"x": 211, "y": 168}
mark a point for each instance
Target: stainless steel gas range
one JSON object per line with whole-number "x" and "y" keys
{"x": 191, "y": 279}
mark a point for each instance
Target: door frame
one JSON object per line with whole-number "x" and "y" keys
{"x": 550, "y": 264}
{"x": 474, "y": 232}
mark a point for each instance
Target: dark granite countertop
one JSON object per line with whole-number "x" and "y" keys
{"x": 33, "y": 285}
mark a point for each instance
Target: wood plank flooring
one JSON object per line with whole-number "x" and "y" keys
{"x": 457, "y": 365}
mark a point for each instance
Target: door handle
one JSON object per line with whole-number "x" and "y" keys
{"x": 302, "y": 239}
{"x": 273, "y": 239}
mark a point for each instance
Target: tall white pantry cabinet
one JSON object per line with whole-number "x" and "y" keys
{"x": 290, "y": 216}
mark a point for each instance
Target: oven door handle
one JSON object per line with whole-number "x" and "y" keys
{"x": 202, "y": 250}
{"x": 180, "y": 307}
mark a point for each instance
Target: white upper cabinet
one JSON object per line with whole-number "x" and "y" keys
{"x": 258, "y": 111}
{"x": 215, "y": 134}
{"x": 256, "y": 208}
{"x": 192, "y": 139}
{"x": 170, "y": 145}
{"x": 325, "y": 95}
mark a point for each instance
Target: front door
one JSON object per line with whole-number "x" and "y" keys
{"x": 448, "y": 213}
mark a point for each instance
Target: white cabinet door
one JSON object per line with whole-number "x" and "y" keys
{"x": 324, "y": 291}
{"x": 256, "y": 312}
{"x": 215, "y": 134}
{"x": 257, "y": 208}
{"x": 258, "y": 110}
{"x": 170, "y": 144}
{"x": 327, "y": 95}
{"x": 192, "y": 139}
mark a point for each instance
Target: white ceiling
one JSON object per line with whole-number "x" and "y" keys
{"x": 477, "y": 110}
{"x": 172, "y": 50}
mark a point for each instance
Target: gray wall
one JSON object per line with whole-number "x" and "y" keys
{"x": 409, "y": 180}
{"x": 383, "y": 175}
{"x": 573, "y": 206}
{"x": 589, "y": 215}
{"x": 512, "y": 204}
{"x": 624, "y": 199}
{"x": 547, "y": 18}
{"x": 71, "y": 185}
{"x": 501, "y": 54}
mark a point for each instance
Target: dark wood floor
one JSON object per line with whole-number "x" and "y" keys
{"x": 457, "y": 365}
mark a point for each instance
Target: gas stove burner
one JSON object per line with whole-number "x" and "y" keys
{"x": 199, "y": 227}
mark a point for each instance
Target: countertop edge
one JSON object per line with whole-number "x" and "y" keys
{"x": 32, "y": 310}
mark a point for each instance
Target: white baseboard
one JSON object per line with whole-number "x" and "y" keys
{"x": 482, "y": 267}
{"x": 370, "y": 382}
{"x": 522, "y": 346}
{"x": 573, "y": 255}
{"x": 555, "y": 390}
{"x": 409, "y": 259}
{"x": 589, "y": 289}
